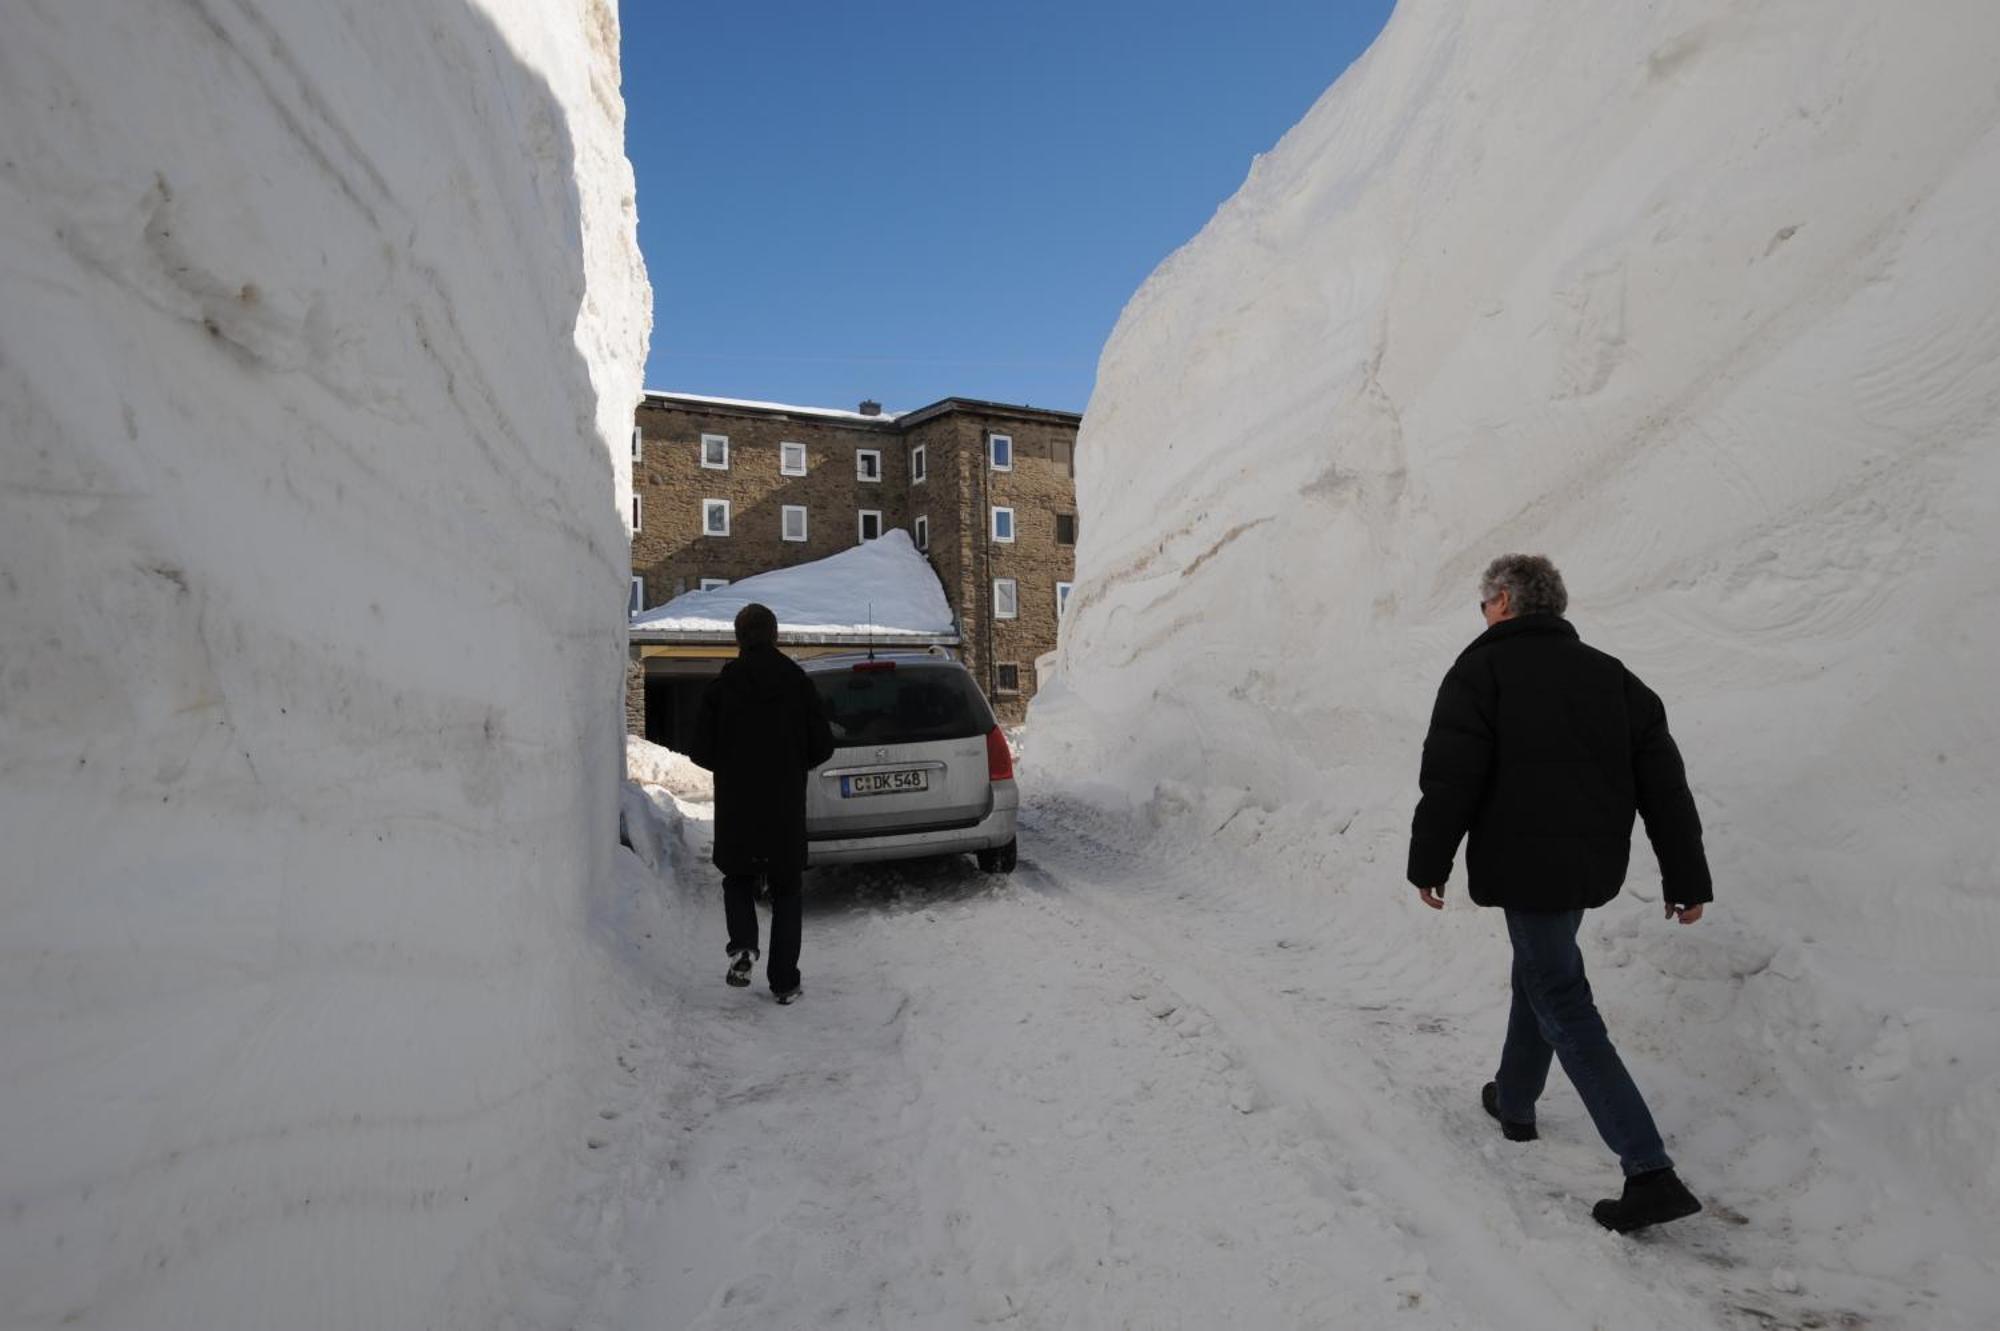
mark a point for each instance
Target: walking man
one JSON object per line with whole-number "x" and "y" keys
{"x": 760, "y": 730}
{"x": 1539, "y": 752}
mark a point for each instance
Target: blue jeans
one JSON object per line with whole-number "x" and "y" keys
{"x": 1554, "y": 1016}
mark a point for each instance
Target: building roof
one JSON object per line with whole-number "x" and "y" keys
{"x": 887, "y": 420}
{"x": 770, "y": 408}
{"x": 881, "y": 591}
{"x": 1020, "y": 411}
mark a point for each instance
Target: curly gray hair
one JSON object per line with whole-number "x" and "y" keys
{"x": 1532, "y": 584}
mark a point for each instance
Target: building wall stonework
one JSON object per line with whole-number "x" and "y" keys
{"x": 635, "y": 698}
{"x": 1040, "y": 487}
{"x": 957, "y": 497}
{"x": 938, "y": 499}
{"x": 670, "y": 549}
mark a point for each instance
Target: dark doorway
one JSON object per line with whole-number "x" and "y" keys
{"x": 671, "y": 704}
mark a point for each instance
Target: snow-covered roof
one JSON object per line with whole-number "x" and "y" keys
{"x": 882, "y": 588}
{"x": 774, "y": 406}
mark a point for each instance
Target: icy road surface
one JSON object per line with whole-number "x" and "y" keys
{"x": 1103, "y": 1093}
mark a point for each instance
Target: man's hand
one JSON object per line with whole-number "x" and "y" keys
{"x": 1434, "y": 897}
{"x": 1687, "y": 914}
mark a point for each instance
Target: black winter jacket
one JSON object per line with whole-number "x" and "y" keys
{"x": 1542, "y": 748}
{"x": 761, "y": 728}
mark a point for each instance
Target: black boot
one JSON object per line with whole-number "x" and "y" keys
{"x": 1652, "y": 1198}
{"x": 1489, "y": 1095}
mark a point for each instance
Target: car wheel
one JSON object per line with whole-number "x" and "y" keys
{"x": 998, "y": 860}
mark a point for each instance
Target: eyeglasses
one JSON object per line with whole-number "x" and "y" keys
{"x": 1491, "y": 599}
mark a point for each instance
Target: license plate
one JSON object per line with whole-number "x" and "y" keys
{"x": 883, "y": 783}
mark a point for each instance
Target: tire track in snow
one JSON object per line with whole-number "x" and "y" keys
{"x": 973, "y": 1118}
{"x": 1095, "y": 1109}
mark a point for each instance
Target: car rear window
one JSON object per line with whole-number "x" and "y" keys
{"x": 903, "y": 705}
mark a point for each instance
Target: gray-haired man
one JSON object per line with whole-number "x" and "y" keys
{"x": 1540, "y": 751}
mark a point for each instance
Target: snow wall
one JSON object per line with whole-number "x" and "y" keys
{"x": 1703, "y": 301}
{"x": 321, "y": 325}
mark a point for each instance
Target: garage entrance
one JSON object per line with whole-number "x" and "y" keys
{"x": 673, "y": 696}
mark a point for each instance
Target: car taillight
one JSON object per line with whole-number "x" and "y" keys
{"x": 875, "y": 665}
{"x": 999, "y": 758}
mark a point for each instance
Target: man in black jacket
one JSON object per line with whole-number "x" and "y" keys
{"x": 1540, "y": 750}
{"x": 760, "y": 730}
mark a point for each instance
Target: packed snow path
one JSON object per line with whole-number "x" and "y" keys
{"x": 1103, "y": 1094}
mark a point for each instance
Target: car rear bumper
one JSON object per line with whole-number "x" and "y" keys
{"x": 994, "y": 830}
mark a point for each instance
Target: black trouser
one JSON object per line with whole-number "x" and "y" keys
{"x": 739, "y": 902}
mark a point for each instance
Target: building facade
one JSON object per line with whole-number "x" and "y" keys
{"x": 724, "y": 489}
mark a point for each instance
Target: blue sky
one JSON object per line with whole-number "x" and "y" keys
{"x": 908, "y": 200}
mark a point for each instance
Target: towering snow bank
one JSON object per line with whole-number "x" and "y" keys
{"x": 320, "y": 329}
{"x": 1702, "y": 300}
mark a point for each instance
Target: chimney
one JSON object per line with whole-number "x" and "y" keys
{"x": 870, "y": 407}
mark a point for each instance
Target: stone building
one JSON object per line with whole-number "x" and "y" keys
{"x": 723, "y": 489}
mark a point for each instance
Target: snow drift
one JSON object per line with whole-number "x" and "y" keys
{"x": 882, "y": 587}
{"x": 320, "y": 330}
{"x": 650, "y": 764}
{"x": 1701, "y": 300}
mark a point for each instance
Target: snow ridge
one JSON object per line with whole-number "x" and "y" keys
{"x": 1692, "y": 299}
{"x": 320, "y": 330}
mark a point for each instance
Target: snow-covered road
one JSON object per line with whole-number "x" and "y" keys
{"x": 1103, "y": 1093}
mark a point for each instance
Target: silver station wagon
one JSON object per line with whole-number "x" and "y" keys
{"x": 919, "y": 767}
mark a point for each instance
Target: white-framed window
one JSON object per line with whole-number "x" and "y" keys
{"x": 638, "y": 443}
{"x": 1006, "y": 677}
{"x": 1003, "y": 525}
{"x": 871, "y": 523}
{"x": 791, "y": 459}
{"x": 715, "y": 517}
{"x": 638, "y": 599}
{"x": 1006, "y": 599}
{"x": 792, "y": 522}
{"x": 715, "y": 452}
{"x": 638, "y": 513}
{"x": 921, "y": 529}
{"x": 918, "y": 464}
{"x": 1062, "y": 597}
{"x": 710, "y": 584}
{"x": 867, "y": 464}
{"x": 1000, "y": 451}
